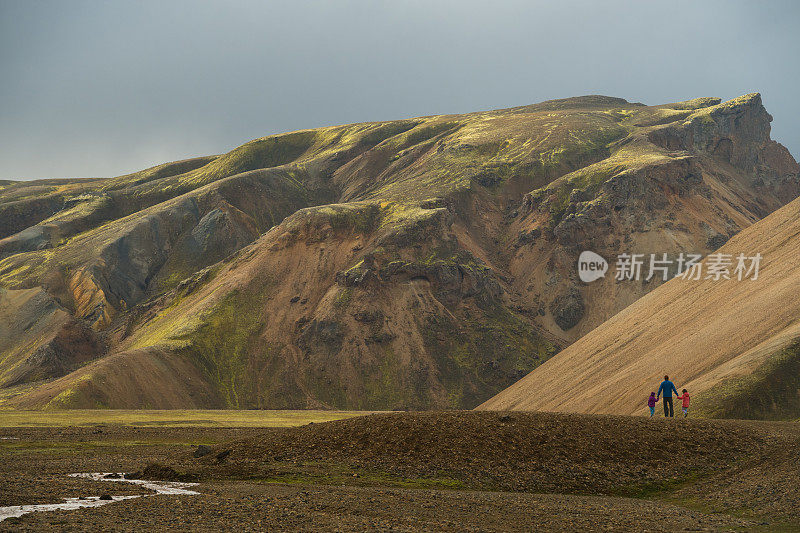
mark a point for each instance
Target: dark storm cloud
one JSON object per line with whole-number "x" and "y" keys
{"x": 93, "y": 88}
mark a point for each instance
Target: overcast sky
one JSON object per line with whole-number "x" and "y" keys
{"x": 91, "y": 88}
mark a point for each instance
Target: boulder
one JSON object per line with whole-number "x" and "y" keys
{"x": 568, "y": 309}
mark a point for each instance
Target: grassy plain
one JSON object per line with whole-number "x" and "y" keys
{"x": 170, "y": 418}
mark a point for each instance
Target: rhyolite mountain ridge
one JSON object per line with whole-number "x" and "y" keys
{"x": 422, "y": 263}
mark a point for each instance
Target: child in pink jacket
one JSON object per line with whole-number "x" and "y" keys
{"x": 685, "y": 404}
{"x": 651, "y": 403}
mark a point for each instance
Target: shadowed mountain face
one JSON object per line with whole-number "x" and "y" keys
{"x": 418, "y": 263}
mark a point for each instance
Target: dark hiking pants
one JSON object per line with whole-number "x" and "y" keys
{"x": 668, "y": 407}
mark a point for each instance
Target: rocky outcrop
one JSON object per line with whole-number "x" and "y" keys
{"x": 688, "y": 178}
{"x": 321, "y": 333}
{"x": 568, "y": 309}
{"x": 74, "y": 344}
{"x": 29, "y": 239}
{"x": 736, "y": 131}
{"x": 633, "y": 197}
{"x": 39, "y": 339}
{"x": 451, "y": 280}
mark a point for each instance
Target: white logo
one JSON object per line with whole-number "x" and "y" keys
{"x": 591, "y": 266}
{"x": 634, "y": 267}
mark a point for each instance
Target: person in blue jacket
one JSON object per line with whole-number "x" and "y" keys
{"x": 667, "y": 387}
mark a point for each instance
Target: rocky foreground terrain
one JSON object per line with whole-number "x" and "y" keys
{"x": 453, "y": 471}
{"x": 422, "y": 263}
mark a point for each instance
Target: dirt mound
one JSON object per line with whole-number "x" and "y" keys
{"x": 521, "y": 451}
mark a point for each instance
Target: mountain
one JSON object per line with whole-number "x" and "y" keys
{"x": 416, "y": 263}
{"x": 734, "y": 345}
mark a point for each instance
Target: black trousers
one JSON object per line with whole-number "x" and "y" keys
{"x": 668, "y": 407}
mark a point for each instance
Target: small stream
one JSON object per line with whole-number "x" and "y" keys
{"x": 173, "y": 488}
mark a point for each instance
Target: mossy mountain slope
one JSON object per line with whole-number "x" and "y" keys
{"x": 406, "y": 264}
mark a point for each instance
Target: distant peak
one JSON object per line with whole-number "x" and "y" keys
{"x": 744, "y": 100}
{"x": 751, "y": 101}
{"x": 592, "y": 100}
{"x": 695, "y": 103}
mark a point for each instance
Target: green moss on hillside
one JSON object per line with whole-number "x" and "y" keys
{"x": 262, "y": 153}
{"x": 480, "y": 355}
{"x": 362, "y": 220}
{"x": 590, "y": 179}
{"x": 382, "y": 132}
{"x": 694, "y": 104}
{"x": 770, "y": 392}
{"x": 489, "y": 151}
{"x": 226, "y": 347}
{"x": 428, "y": 131}
{"x": 157, "y": 172}
{"x": 391, "y": 386}
{"x": 343, "y": 298}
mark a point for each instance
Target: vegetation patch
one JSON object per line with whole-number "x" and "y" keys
{"x": 770, "y": 392}
{"x": 262, "y": 153}
{"x": 378, "y": 134}
{"x": 426, "y": 132}
{"x": 478, "y": 356}
{"x": 224, "y": 345}
{"x": 168, "y": 418}
{"x": 390, "y": 385}
{"x": 363, "y": 218}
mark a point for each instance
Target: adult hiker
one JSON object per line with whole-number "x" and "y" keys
{"x": 667, "y": 387}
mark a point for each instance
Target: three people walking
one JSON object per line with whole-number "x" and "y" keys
{"x": 667, "y": 388}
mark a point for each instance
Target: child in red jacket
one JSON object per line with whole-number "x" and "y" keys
{"x": 685, "y": 404}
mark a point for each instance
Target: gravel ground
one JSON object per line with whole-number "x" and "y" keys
{"x": 35, "y": 461}
{"x": 257, "y": 507}
{"x": 524, "y": 452}
{"x": 385, "y": 472}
